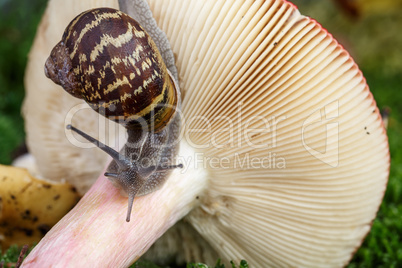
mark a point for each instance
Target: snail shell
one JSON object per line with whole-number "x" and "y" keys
{"x": 108, "y": 59}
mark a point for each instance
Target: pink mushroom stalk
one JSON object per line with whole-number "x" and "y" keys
{"x": 95, "y": 234}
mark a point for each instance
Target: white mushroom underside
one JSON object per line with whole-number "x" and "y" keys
{"x": 240, "y": 59}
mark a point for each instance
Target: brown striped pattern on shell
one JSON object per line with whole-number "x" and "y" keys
{"x": 119, "y": 68}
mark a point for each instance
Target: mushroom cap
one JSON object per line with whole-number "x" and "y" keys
{"x": 283, "y": 122}
{"x": 302, "y": 182}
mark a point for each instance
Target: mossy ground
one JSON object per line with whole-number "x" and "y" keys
{"x": 373, "y": 39}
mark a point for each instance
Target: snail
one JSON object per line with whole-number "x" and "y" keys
{"x": 106, "y": 58}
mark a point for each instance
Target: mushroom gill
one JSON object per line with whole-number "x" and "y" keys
{"x": 283, "y": 109}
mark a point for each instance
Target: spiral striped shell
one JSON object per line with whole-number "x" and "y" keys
{"x": 108, "y": 59}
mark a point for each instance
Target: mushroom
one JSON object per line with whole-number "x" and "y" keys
{"x": 29, "y": 206}
{"x": 286, "y": 157}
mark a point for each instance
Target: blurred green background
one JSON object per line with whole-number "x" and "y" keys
{"x": 18, "y": 22}
{"x": 369, "y": 29}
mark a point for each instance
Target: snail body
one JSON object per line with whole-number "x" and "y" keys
{"x": 106, "y": 58}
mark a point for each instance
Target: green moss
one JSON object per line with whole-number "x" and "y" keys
{"x": 243, "y": 264}
{"x": 145, "y": 264}
{"x": 10, "y": 257}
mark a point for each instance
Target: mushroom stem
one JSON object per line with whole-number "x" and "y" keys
{"x": 94, "y": 233}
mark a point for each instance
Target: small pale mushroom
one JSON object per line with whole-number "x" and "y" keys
{"x": 286, "y": 157}
{"x": 30, "y": 206}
